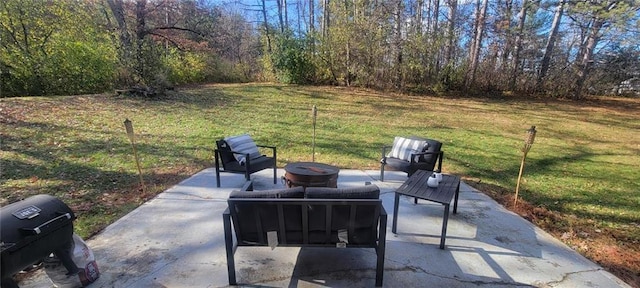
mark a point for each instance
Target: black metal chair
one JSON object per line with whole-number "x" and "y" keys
{"x": 425, "y": 159}
{"x": 224, "y": 154}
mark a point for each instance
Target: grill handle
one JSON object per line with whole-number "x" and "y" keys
{"x": 37, "y": 230}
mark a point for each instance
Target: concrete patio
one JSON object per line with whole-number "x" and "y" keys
{"x": 177, "y": 240}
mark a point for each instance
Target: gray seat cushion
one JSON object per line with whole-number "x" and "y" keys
{"x": 296, "y": 192}
{"x": 360, "y": 192}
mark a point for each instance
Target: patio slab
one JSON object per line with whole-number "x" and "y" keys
{"x": 177, "y": 240}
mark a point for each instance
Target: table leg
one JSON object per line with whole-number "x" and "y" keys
{"x": 455, "y": 200}
{"x": 445, "y": 221}
{"x": 395, "y": 213}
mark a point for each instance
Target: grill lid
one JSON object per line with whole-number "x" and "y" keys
{"x": 25, "y": 221}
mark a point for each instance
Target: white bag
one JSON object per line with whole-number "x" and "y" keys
{"x": 86, "y": 262}
{"x": 83, "y": 258}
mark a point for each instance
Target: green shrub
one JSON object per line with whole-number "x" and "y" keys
{"x": 69, "y": 67}
{"x": 186, "y": 68}
{"x": 80, "y": 68}
{"x": 291, "y": 61}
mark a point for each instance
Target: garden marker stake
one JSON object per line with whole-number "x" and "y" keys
{"x": 528, "y": 141}
{"x": 314, "y": 113}
{"x": 129, "y": 126}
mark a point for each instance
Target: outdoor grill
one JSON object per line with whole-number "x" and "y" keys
{"x": 32, "y": 229}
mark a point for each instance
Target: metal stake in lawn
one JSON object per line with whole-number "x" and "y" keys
{"x": 314, "y": 113}
{"x": 129, "y": 126}
{"x": 528, "y": 141}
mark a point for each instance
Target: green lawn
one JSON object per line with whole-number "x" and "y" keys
{"x": 584, "y": 164}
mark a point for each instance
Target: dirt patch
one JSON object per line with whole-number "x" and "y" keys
{"x": 610, "y": 249}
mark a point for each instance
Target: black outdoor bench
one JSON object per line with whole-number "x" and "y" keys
{"x": 317, "y": 217}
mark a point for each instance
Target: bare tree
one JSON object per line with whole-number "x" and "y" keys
{"x": 312, "y": 20}
{"x": 398, "y": 43}
{"x": 474, "y": 51}
{"x": 548, "y": 51}
{"x": 285, "y": 9}
{"x": 119, "y": 14}
{"x": 280, "y": 14}
{"x": 145, "y": 26}
{"x": 325, "y": 19}
{"x": 451, "y": 31}
{"x": 418, "y": 17}
{"x": 265, "y": 21}
{"x": 435, "y": 35}
{"x": 506, "y": 26}
{"x": 611, "y": 15}
{"x": 586, "y": 57}
{"x": 515, "y": 64}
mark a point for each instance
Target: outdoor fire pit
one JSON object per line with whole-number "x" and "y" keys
{"x": 310, "y": 174}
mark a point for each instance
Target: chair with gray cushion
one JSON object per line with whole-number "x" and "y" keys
{"x": 240, "y": 154}
{"x": 410, "y": 154}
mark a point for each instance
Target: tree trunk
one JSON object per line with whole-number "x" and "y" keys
{"x": 518, "y": 45}
{"x": 280, "y": 19}
{"x": 428, "y": 15}
{"x": 435, "y": 36}
{"x": 477, "y": 44}
{"x": 286, "y": 14}
{"x": 472, "y": 44}
{"x": 125, "y": 48}
{"x": 299, "y": 17}
{"x": 348, "y": 64}
{"x": 398, "y": 42}
{"x": 451, "y": 31}
{"x": 508, "y": 36}
{"x": 418, "y": 18}
{"x": 436, "y": 21}
{"x": 118, "y": 14}
{"x": 587, "y": 57}
{"x": 266, "y": 26}
{"x": 312, "y": 20}
{"x": 325, "y": 19}
{"x": 141, "y": 32}
{"x": 548, "y": 51}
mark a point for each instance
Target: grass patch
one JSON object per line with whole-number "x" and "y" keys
{"x": 580, "y": 181}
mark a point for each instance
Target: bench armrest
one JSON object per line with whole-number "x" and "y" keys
{"x": 248, "y": 186}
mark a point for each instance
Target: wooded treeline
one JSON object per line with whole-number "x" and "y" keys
{"x": 559, "y": 48}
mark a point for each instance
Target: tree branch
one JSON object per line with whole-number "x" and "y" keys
{"x": 177, "y": 28}
{"x": 166, "y": 38}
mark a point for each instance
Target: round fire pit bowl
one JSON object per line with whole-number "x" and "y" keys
{"x": 310, "y": 174}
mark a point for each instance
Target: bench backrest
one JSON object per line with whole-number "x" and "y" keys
{"x": 307, "y": 222}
